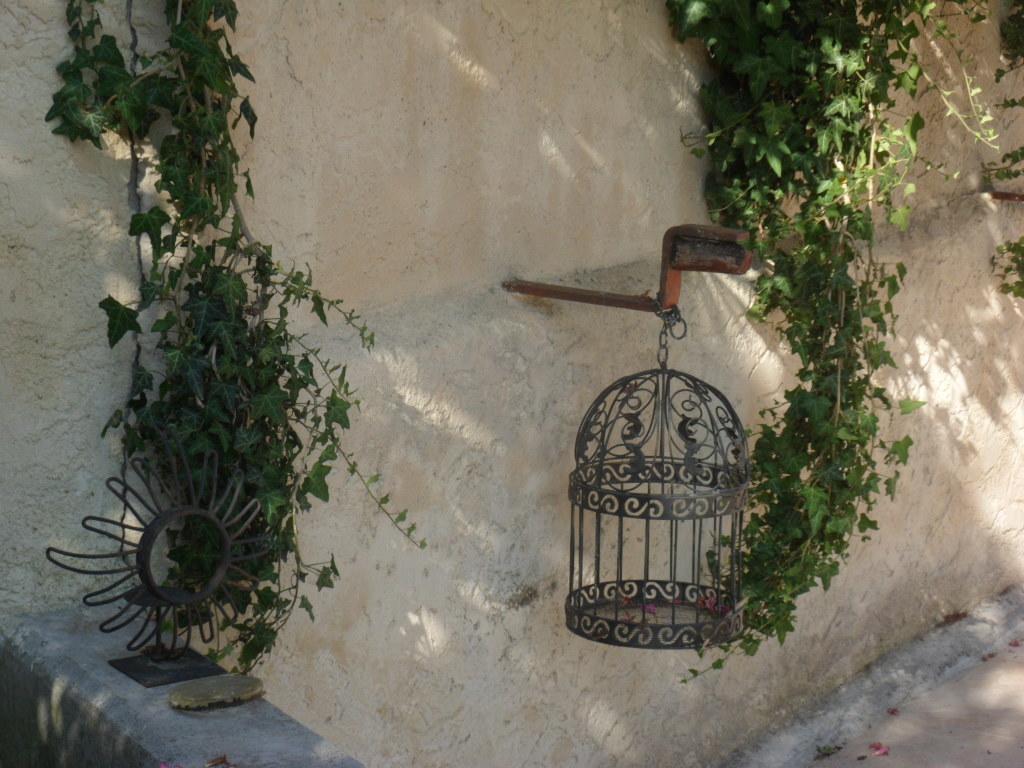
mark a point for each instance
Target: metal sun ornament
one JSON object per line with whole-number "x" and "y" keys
{"x": 170, "y": 493}
{"x": 658, "y": 496}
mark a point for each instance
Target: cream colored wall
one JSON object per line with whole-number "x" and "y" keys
{"x": 432, "y": 145}
{"x": 415, "y": 154}
{"x": 62, "y": 214}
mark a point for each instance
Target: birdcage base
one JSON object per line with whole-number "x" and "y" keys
{"x": 652, "y": 614}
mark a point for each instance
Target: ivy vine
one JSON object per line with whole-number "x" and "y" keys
{"x": 1010, "y": 254}
{"x": 229, "y": 373}
{"x": 806, "y": 152}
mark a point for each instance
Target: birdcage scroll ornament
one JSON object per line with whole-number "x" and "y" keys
{"x": 660, "y": 481}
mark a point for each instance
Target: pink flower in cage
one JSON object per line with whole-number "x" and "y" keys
{"x": 650, "y": 608}
{"x": 711, "y": 605}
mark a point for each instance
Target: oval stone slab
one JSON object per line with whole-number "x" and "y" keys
{"x": 218, "y": 691}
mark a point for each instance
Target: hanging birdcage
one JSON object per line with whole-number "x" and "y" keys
{"x": 658, "y": 495}
{"x": 661, "y": 478}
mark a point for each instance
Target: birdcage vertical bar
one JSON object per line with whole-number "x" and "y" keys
{"x": 618, "y": 568}
{"x": 572, "y": 548}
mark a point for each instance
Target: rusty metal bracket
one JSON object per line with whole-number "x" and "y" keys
{"x": 686, "y": 248}
{"x": 1006, "y": 197}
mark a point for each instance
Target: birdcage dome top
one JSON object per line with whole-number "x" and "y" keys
{"x": 655, "y": 443}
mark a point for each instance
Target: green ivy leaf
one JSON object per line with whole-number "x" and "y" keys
{"x": 107, "y": 52}
{"x": 193, "y": 371}
{"x": 270, "y": 405}
{"x": 150, "y": 223}
{"x": 203, "y": 313}
{"x": 165, "y": 323}
{"x": 318, "y": 308}
{"x": 230, "y": 287}
{"x": 227, "y": 10}
{"x": 900, "y": 449}
{"x": 115, "y": 420}
{"x": 120, "y": 319}
{"x": 909, "y": 406}
{"x": 315, "y": 483}
{"x": 900, "y": 217}
{"x": 337, "y": 411}
{"x": 914, "y": 126}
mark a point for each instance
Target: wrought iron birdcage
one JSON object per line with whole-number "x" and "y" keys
{"x": 658, "y": 495}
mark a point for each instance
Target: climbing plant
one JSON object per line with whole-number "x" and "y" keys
{"x": 807, "y": 152}
{"x": 217, "y": 365}
{"x": 1010, "y": 254}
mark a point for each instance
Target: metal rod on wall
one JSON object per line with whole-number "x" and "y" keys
{"x": 686, "y": 248}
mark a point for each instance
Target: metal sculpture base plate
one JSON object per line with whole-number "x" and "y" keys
{"x": 152, "y": 673}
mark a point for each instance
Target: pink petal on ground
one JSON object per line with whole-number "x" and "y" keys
{"x": 1015, "y": 643}
{"x": 878, "y": 749}
{"x": 893, "y": 711}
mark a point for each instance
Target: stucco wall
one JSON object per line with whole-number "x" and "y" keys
{"x": 415, "y": 154}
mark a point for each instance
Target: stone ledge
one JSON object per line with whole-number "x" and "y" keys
{"x": 61, "y": 705}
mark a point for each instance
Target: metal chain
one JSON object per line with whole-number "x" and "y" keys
{"x": 671, "y": 320}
